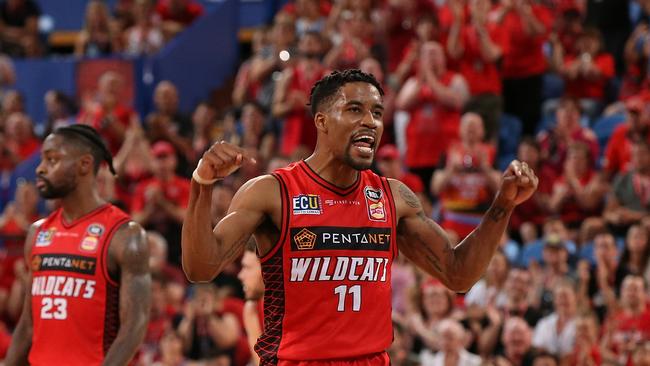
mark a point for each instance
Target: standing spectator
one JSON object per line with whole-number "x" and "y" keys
{"x": 159, "y": 203}
{"x": 97, "y": 38}
{"x": 476, "y": 45}
{"x": 578, "y": 193}
{"x": 309, "y": 17}
{"x": 351, "y": 42}
{"x": 434, "y": 97}
{"x": 107, "y": 113}
{"x": 19, "y": 27}
{"x": 555, "y": 333}
{"x": 427, "y": 30}
{"x": 204, "y": 120}
{"x": 401, "y": 19}
{"x": 176, "y": 15}
{"x": 257, "y": 136}
{"x": 528, "y": 25}
{"x": 145, "y": 37}
{"x": 629, "y": 200}
{"x": 619, "y": 145}
{"x": 133, "y": 163}
{"x": 292, "y": 95}
{"x": 21, "y": 139}
{"x": 452, "y": 351}
{"x": 587, "y": 72}
{"x": 566, "y": 132}
{"x": 60, "y": 109}
{"x": 468, "y": 181}
{"x": 612, "y": 18}
{"x": 245, "y": 87}
{"x": 253, "y": 284}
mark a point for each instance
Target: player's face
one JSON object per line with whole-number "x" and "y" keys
{"x": 355, "y": 124}
{"x": 251, "y": 276}
{"x": 56, "y": 175}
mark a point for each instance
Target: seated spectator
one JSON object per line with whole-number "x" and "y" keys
{"x": 636, "y": 255}
{"x": 434, "y": 98}
{"x": 160, "y": 322}
{"x": 12, "y": 102}
{"x": 292, "y": 96}
{"x": 587, "y": 72}
{"x": 19, "y": 28}
{"x": 452, "y": 351}
{"x": 145, "y": 37}
{"x": 159, "y": 203}
{"x": 167, "y": 123}
{"x": 107, "y": 113}
{"x": 205, "y": 334}
{"x": 467, "y": 183}
{"x": 351, "y": 42}
{"x": 158, "y": 263}
{"x": 19, "y": 132}
{"x": 251, "y": 277}
{"x": 7, "y": 76}
{"x": 176, "y": 15}
{"x": 586, "y": 351}
{"x": 516, "y": 339}
{"x": 567, "y": 131}
{"x": 171, "y": 350}
{"x": 61, "y": 111}
{"x": 629, "y": 200}
{"x": 97, "y": 38}
{"x": 554, "y": 270}
{"x": 578, "y": 193}
{"x": 476, "y": 45}
{"x": 556, "y": 332}
{"x": 619, "y": 144}
{"x": 490, "y": 291}
{"x": 629, "y": 325}
{"x": 532, "y": 250}
{"x": 204, "y": 120}
{"x": 133, "y": 163}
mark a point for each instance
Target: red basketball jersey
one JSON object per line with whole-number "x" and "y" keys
{"x": 328, "y": 292}
{"x": 74, "y": 301}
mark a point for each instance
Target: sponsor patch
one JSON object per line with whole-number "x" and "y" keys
{"x": 64, "y": 262}
{"x": 95, "y": 229}
{"x": 89, "y": 244}
{"x": 307, "y": 204}
{"x": 340, "y": 238}
{"x": 44, "y": 237}
{"x": 375, "y": 204}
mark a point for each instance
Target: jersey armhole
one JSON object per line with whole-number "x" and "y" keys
{"x": 104, "y": 255}
{"x": 284, "y": 219}
{"x": 393, "y": 216}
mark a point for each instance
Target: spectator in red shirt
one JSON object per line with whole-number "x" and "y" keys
{"x": 617, "y": 152}
{"x": 107, "y": 113}
{"x": 159, "y": 203}
{"x": 567, "y": 131}
{"x": 528, "y": 25}
{"x": 401, "y": 19}
{"x": 475, "y": 45}
{"x": 578, "y": 193}
{"x": 587, "y": 72}
{"x": 427, "y": 30}
{"x": 586, "y": 351}
{"x": 21, "y": 140}
{"x": 351, "y": 41}
{"x": 434, "y": 97}
{"x": 177, "y": 14}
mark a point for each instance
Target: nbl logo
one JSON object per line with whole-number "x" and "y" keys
{"x": 307, "y": 204}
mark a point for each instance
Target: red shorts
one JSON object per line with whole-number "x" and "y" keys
{"x": 377, "y": 359}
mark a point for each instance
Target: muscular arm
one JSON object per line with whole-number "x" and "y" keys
{"x": 205, "y": 251}
{"x": 130, "y": 253}
{"x": 21, "y": 341}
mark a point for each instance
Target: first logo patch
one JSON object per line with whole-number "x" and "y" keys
{"x": 307, "y": 204}
{"x": 44, "y": 237}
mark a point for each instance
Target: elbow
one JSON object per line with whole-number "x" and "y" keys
{"x": 459, "y": 285}
{"x": 196, "y": 275}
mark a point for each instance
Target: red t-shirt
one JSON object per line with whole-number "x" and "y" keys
{"x": 176, "y": 190}
{"x": 628, "y": 327}
{"x": 618, "y": 150}
{"x": 482, "y": 76}
{"x": 525, "y": 56}
{"x": 192, "y": 11}
{"x": 27, "y": 148}
{"x": 594, "y": 89}
{"x": 556, "y": 151}
{"x": 571, "y": 212}
{"x": 97, "y": 120}
{"x": 530, "y": 210}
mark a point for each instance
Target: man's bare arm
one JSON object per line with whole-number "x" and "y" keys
{"x": 427, "y": 245}
{"x": 21, "y": 341}
{"x": 130, "y": 253}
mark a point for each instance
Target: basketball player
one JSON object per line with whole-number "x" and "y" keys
{"x": 328, "y": 229}
{"x": 88, "y": 290}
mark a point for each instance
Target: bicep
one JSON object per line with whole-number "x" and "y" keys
{"x": 132, "y": 256}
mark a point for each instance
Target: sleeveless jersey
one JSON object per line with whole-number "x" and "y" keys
{"x": 74, "y": 301}
{"x": 328, "y": 293}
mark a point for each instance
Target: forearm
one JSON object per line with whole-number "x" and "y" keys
{"x": 489, "y": 51}
{"x": 532, "y": 26}
{"x": 446, "y": 95}
{"x": 21, "y": 343}
{"x": 407, "y": 97}
{"x": 454, "y": 45}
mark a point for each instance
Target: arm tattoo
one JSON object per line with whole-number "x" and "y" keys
{"x": 497, "y": 213}
{"x": 409, "y": 197}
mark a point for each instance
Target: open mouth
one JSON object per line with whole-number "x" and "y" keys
{"x": 365, "y": 143}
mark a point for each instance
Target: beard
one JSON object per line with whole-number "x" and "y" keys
{"x": 51, "y": 191}
{"x": 357, "y": 164}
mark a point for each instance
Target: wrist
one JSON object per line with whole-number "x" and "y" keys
{"x": 203, "y": 181}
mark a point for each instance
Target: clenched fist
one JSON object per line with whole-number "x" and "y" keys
{"x": 518, "y": 184}
{"x": 221, "y": 160}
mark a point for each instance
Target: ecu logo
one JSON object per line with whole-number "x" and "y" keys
{"x": 305, "y": 239}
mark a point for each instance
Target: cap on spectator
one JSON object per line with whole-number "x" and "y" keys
{"x": 388, "y": 152}
{"x": 162, "y": 148}
{"x": 554, "y": 241}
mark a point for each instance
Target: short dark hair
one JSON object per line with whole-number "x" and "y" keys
{"x": 326, "y": 88}
{"x": 88, "y": 138}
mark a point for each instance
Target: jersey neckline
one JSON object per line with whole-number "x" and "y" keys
{"x": 341, "y": 191}
{"x": 83, "y": 217}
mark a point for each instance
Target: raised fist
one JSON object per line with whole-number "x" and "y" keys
{"x": 221, "y": 160}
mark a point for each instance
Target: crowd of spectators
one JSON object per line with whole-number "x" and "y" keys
{"x": 470, "y": 84}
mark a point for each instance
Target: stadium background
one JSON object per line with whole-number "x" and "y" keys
{"x": 560, "y": 84}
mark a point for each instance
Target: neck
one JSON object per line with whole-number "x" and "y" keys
{"x": 331, "y": 169}
{"x": 80, "y": 202}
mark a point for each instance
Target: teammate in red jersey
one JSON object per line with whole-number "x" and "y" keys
{"x": 88, "y": 290}
{"x": 328, "y": 229}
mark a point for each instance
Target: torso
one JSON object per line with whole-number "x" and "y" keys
{"x": 74, "y": 298}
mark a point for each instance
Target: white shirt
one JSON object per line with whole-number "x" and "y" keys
{"x": 546, "y": 336}
{"x": 427, "y": 358}
{"x": 480, "y": 294}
